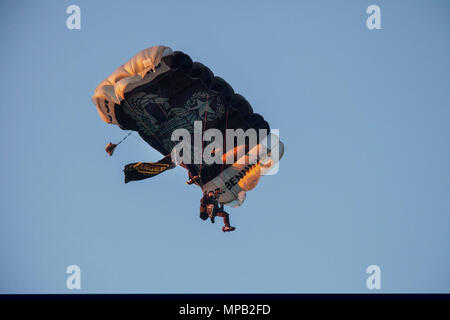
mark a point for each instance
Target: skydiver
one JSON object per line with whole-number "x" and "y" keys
{"x": 209, "y": 208}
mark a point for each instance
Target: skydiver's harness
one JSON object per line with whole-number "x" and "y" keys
{"x": 210, "y": 206}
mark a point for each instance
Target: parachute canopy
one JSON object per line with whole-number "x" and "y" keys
{"x": 159, "y": 91}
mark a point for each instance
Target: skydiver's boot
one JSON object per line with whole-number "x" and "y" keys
{"x": 228, "y": 228}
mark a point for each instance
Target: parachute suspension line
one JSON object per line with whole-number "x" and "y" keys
{"x": 132, "y": 109}
{"x": 204, "y": 127}
{"x": 159, "y": 104}
{"x": 225, "y": 142}
{"x": 112, "y": 146}
{"x": 129, "y": 133}
{"x": 167, "y": 118}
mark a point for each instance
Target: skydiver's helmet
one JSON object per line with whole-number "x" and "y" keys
{"x": 203, "y": 215}
{"x": 210, "y": 194}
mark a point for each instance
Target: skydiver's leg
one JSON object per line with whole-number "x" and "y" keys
{"x": 225, "y": 216}
{"x": 226, "y": 221}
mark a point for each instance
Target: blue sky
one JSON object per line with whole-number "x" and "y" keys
{"x": 364, "y": 116}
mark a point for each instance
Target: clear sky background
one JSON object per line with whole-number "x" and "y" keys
{"x": 364, "y": 115}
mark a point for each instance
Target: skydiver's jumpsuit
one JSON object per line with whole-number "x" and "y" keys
{"x": 209, "y": 207}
